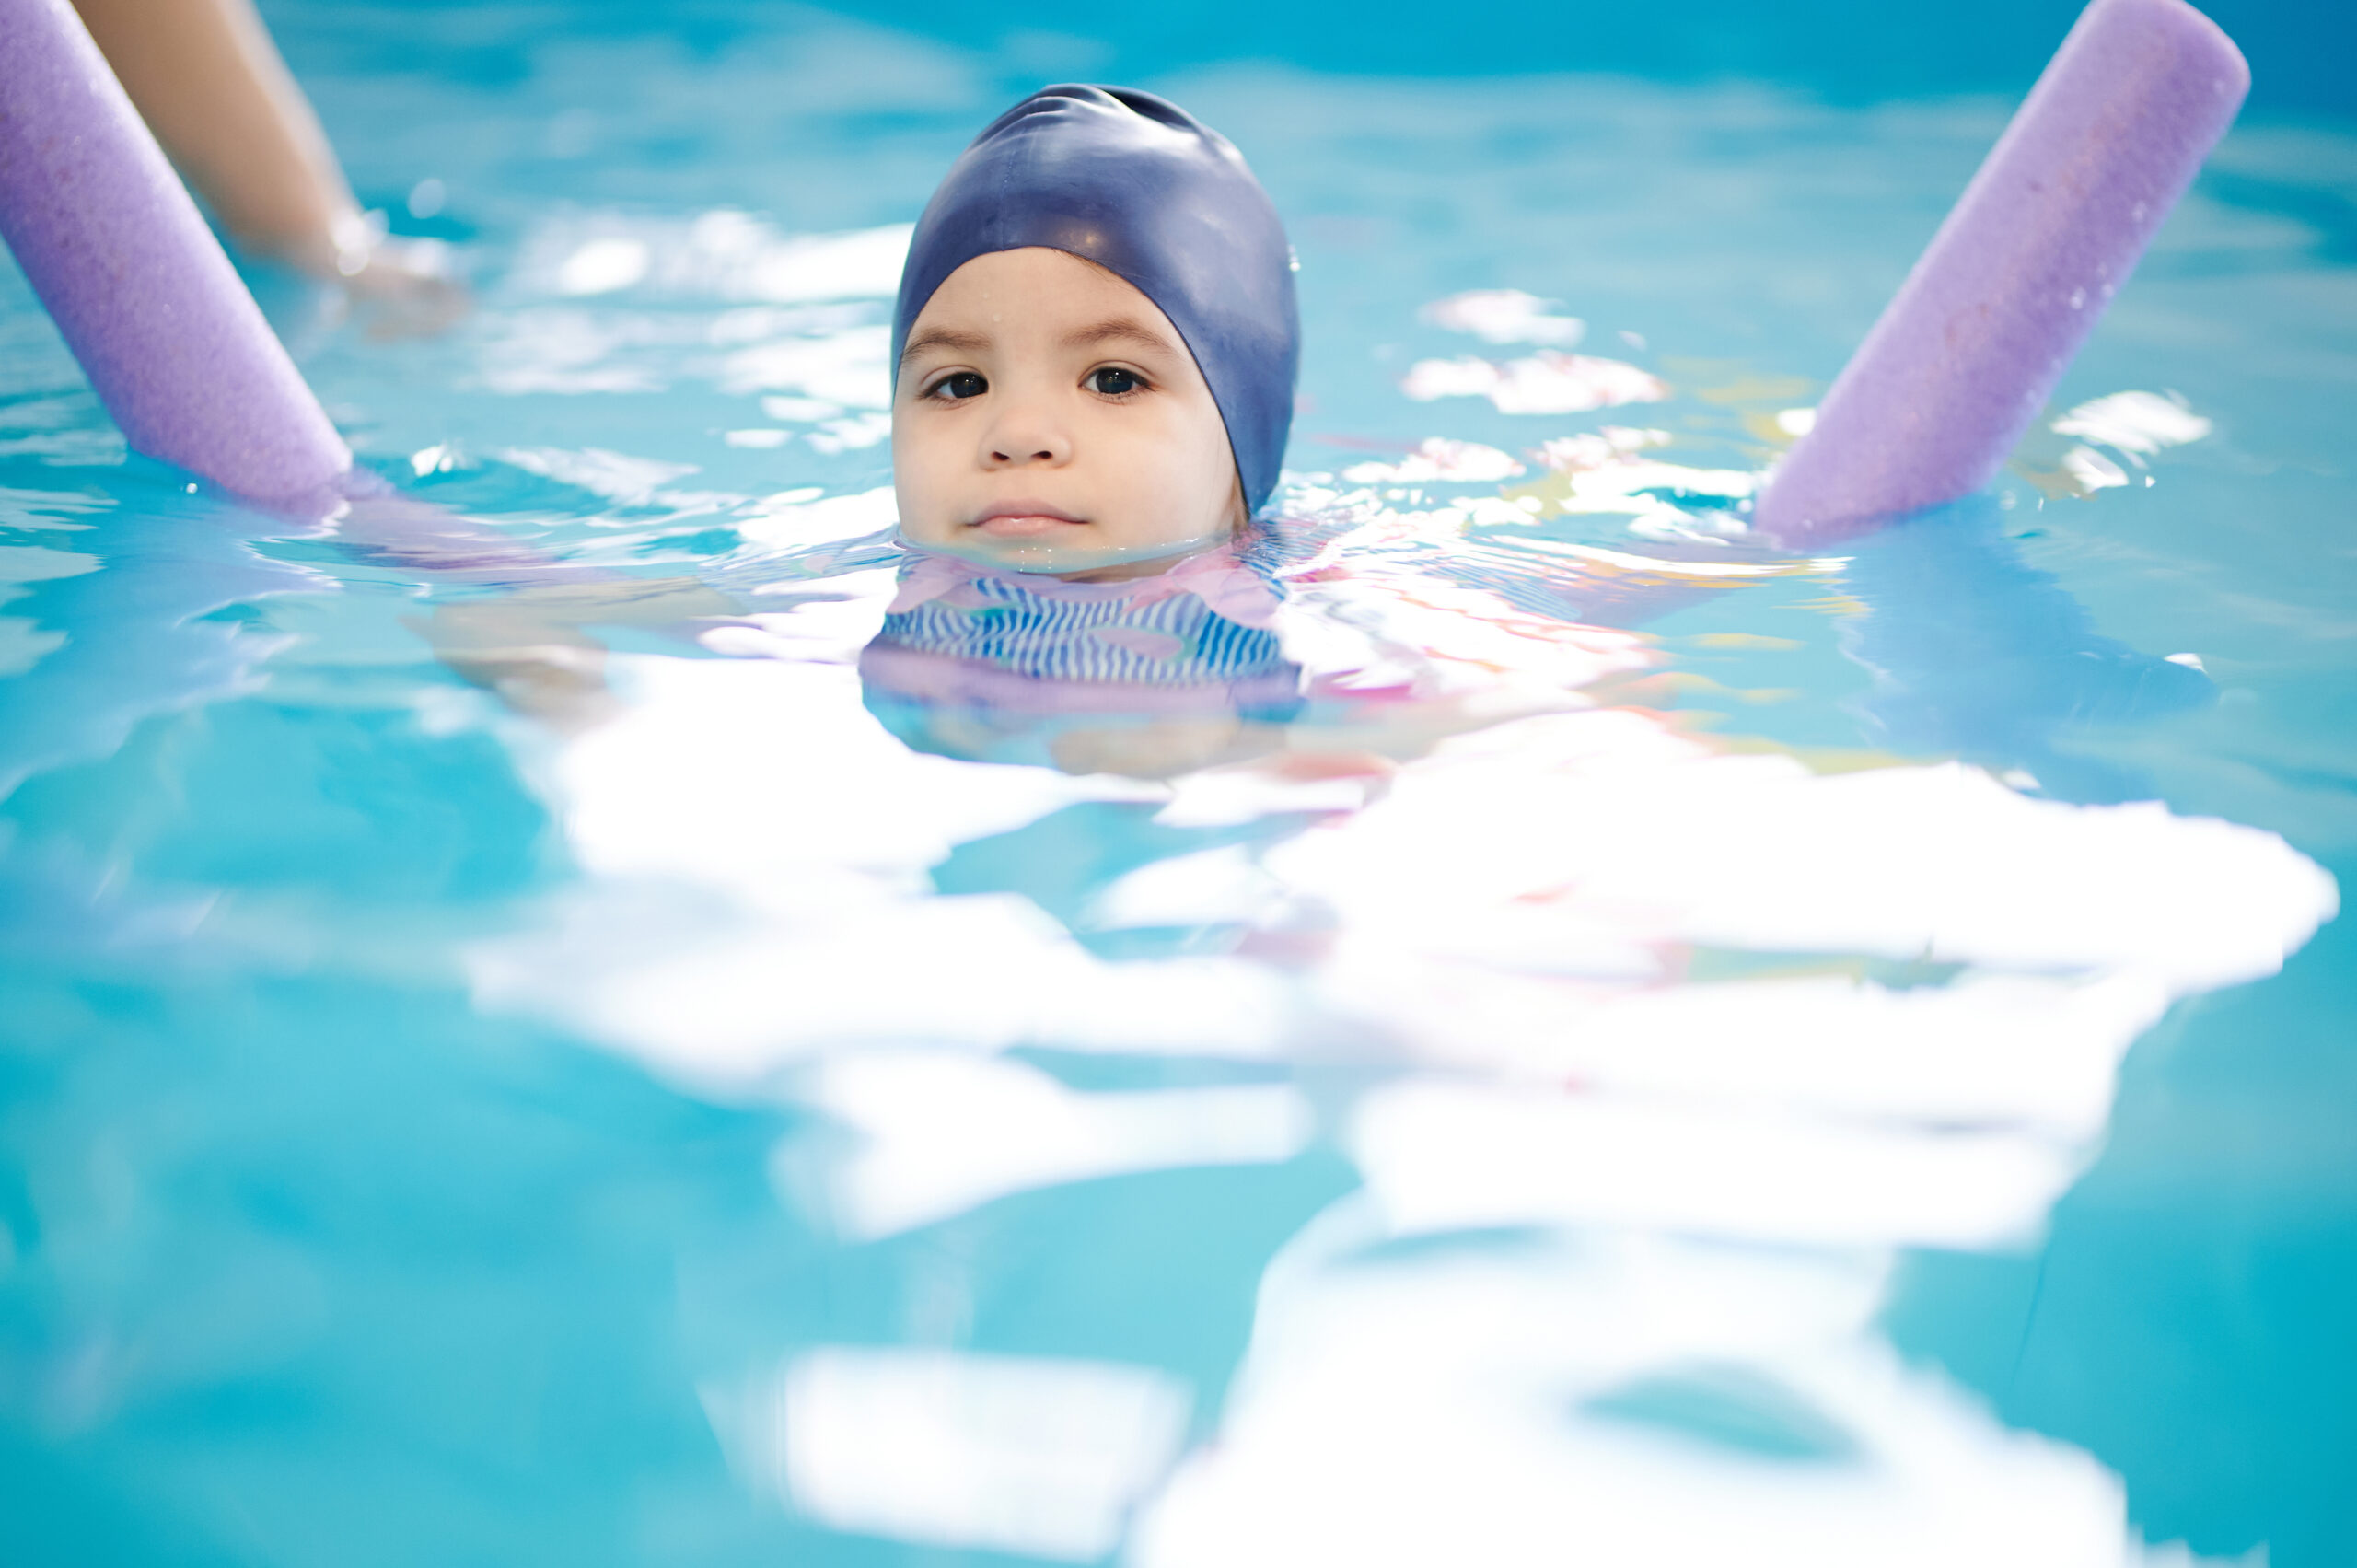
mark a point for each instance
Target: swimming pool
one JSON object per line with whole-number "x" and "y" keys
{"x": 1635, "y": 1065}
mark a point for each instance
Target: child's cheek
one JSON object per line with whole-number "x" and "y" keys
{"x": 915, "y": 488}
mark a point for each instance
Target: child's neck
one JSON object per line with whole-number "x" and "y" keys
{"x": 1129, "y": 570}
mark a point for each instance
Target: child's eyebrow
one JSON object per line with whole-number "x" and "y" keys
{"x": 944, "y": 337}
{"x": 1116, "y": 329}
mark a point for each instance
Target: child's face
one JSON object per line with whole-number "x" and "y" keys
{"x": 1050, "y": 419}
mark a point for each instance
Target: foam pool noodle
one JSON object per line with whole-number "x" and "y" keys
{"x": 1966, "y": 354}
{"x": 146, "y": 298}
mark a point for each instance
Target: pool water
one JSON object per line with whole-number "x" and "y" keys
{"x": 528, "y": 1040}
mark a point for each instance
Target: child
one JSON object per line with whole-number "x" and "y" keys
{"x": 1095, "y": 343}
{"x": 1095, "y": 349}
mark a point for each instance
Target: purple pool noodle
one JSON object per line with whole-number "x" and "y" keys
{"x": 1965, "y": 356}
{"x": 111, "y": 242}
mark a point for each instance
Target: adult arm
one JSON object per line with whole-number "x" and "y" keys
{"x": 209, "y": 82}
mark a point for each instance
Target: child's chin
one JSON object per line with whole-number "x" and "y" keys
{"x": 1055, "y": 557}
{"x": 1110, "y": 566}
{"x": 1071, "y": 558}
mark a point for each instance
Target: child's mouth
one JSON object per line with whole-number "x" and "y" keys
{"x": 1023, "y": 520}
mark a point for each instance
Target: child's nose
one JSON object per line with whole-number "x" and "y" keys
{"x": 1022, "y": 435}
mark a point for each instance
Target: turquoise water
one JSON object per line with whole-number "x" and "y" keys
{"x": 1660, "y": 1051}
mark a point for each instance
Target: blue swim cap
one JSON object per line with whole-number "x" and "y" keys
{"x": 1158, "y": 198}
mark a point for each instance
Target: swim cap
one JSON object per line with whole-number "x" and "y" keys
{"x": 1161, "y": 201}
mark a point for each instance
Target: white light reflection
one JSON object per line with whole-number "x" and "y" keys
{"x": 2139, "y": 423}
{"x": 846, "y": 366}
{"x": 1028, "y": 1456}
{"x": 2091, "y": 469}
{"x": 722, "y": 254}
{"x": 1726, "y": 1028}
{"x": 788, "y": 314}
{"x": 603, "y": 266}
{"x": 1208, "y": 888}
{"x": 796, "y": 517}
{"x": 1442, "y": 1156}
{"x": 941, "y": 1135}
{"x": 854, "y": 434}
{"x": 617, "y": 476}
{"x": 1439, "y": 462}
{"x": 1574, "y": 454}
{"x": 1540, "y": 918}
{"x": 1614, "y": 1398}
{"x": 1504, "y": 316}
{"x": 746, "y": 908}
{"x": 2134, "y": 426}
{"x": 1549, "y": 382}
{"x": 1611, "y": 811}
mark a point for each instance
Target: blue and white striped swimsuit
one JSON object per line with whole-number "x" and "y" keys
{"x": 1124, "y": 635}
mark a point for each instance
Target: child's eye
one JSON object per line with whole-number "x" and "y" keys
{"x": 1113, "y": 381}
{"x": 960, "y": 384}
